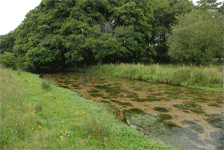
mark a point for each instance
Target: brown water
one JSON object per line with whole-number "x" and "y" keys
{"x": 199, "y": 112}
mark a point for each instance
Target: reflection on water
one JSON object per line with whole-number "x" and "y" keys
{"x": 200, "y": 112}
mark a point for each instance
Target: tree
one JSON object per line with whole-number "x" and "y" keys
{"x": 210, "y": 5}
{"x": 198, "y": 37}
{"x": 139, "y": 15}
{"x": 7, "y": 42}
{"x": 106, "y": 42}
{"x": 8, "y": 59}
{"x": 165, "y": 12}
{"x": 38, "y": 40}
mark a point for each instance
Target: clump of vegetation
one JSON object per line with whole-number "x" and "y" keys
{"x": 94, "y": 126}
{"x": 8, "y": 59}
{"x": 148, "y": 124}
{"x": 46, "y": 84}
{"x": 19, "y": 71}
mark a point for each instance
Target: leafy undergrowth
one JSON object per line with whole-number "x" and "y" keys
{"x": 204, "y": 77}
{"x": 37, "y": 115}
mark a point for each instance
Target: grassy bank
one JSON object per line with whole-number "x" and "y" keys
{"x": 37, "y": 115}
{"x": 209, "y": 78}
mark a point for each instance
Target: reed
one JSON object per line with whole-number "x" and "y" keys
{"x": 190, "y": 76}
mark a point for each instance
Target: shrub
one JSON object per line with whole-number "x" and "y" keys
{"x": 8, "y": 59}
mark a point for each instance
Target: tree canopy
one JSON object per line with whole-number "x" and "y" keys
{"x": 66, "y": 32}
{"x": 198, "y": 37}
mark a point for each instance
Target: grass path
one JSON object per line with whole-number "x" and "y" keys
{"x": 38, "y": 115}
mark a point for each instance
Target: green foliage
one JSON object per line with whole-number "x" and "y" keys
{"x": 140, "y": 16}
{"x": 210, "y": 5}
{"x": 165, "y": 12}
{"x": 8, "y": 59}
{"x": 60, "y": 33}
{"x": 45, "y": 84}
{"x": 7, "y": 42}
{"x": 147, "y": 124}
{"x": 197, "y": 37}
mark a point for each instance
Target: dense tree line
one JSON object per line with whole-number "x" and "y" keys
{"x": 67, "y": 32}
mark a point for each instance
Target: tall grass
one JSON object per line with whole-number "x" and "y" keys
{"x": 203, "y": 76}
{"x": 16, "y": 115}
{"x": 57, "y": 118}
{"x": 46, "y": 84}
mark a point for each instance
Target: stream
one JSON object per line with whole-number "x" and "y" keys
{"x": 196, "y": 117}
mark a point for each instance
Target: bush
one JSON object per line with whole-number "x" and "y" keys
{"x": 8, "y": 59}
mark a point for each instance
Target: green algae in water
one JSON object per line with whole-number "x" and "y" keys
{"x": 106, "y": 97}
{"x": 157, "y": 94}
{"x": 103, "y": 87}
{"x": 180, "y": 106}
{"x": 146, "y": 100}
{"x": 214, "y": 105}
{"x": 64, "y": 86}
{"x": 148, "y": 124}
{"x": 161, "y": 109}
{"x": 137, "y": 88}
{"x": 93, "y": 91}
{"x": 201, "y": 99}
{"x": 132, "y": 95}
{"x": 185, "y": 111}
{"x": 163, "y": 117}
{"x": 96, "y": 95}
{"x": 198, "y": 110}
{"x": 75, "y": 85}
{"x": 138, "y": 111}
{"x": 69, "y": 82}
{"x": 171, "y": 125}
{"x": 118, "y": 102}
{"x": 189, "y": 104}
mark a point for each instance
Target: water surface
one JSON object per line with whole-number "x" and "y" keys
{"x": 199, "y": 113}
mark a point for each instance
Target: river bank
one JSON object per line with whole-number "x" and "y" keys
{"x": 38, "y": 115}
{"x": 203, "y": 77}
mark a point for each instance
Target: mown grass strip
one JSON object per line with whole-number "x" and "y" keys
{"x": 203, "y": 77}
{"x": 33, "y": 117}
